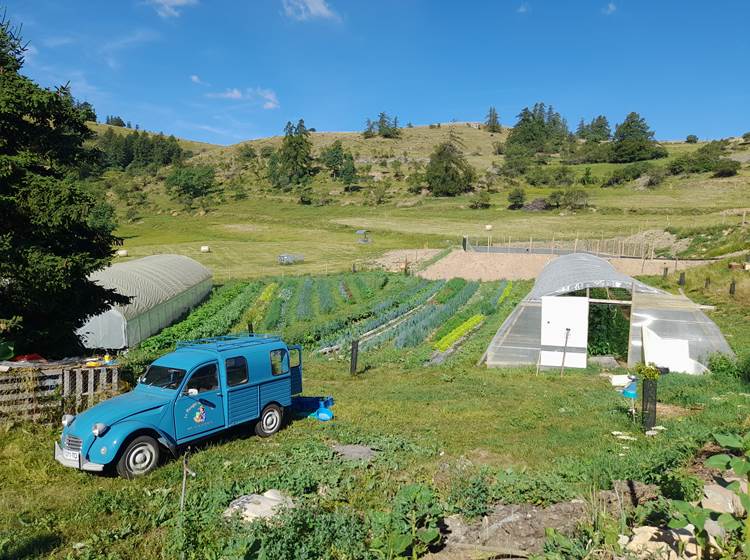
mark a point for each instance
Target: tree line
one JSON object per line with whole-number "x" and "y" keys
{"x": 138, "y": 149}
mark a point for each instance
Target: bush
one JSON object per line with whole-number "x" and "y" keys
{"x": 726, "y": 168}
{"x": 516, "y": 198}
{"x": 705, "y": 158}
{"x": 681, "y": 485}
{"x": 691, "y": 139}
{"x": 746, "y": 137}
{"x": 723, "y": 366}
{"x": 656, "y": 176}
{"x": 498, "y": 148}
{"x": 480, "y": 200}
{"x": 575, "y": 198}
{"x": 628, "y": 173}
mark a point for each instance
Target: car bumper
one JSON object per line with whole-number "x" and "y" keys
{"x": 79, "y": 464}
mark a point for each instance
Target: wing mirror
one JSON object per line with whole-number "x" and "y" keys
{"x": 192, "y": 392}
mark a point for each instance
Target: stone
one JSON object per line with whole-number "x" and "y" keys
{"x": 723, "y": 500}
{"x": 647, "y": 543}
{"x": 259, "y": 506}
{"x": 355, "y": 452}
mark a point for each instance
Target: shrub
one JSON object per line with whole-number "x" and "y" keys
{"x": 498, "y": 148}
{"x": 726, "y": 168}
{"x": 628, "y": 173}
{"x": 681, "y": 485}
{"x": 480, "y": 200}
{"x": 746, "y": 137}
{"x": 723, "y": 366}
{"x": 691, "y": 139}
{"x": 656, "y": 176}
{"x": 516, "y": 198}
{"x": 587, "y": 178}
{"x": 575, "y": 198}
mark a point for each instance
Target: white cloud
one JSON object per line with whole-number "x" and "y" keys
{"x": 30, "y": 53}
{"x": 523, "y": 8}
{"x": 267, "y": 98}
{"x": 609, "y": 9}
{"x": 270, "y": 101}
{"x": 58, "y": 41}
{"x": 196, "y": 79}
{"x": 303, "y": 10}
{"x": 232, "y": 93}
{"x": 170, "y": 8}
{"x": 110, "y": 48}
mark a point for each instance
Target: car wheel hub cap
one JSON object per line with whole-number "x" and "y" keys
{"x": 141, "y": 458}
{"x": 271, "y": 420}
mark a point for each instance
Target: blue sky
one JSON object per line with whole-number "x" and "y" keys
{"x": 226, "y": 70}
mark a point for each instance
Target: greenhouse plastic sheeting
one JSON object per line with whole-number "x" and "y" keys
{"x": 673, "y": 317}
{"x": 518, "y": 341}
{"x": 162, "y": 287}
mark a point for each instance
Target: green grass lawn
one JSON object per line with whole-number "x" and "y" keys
{"x": 473, "y": 435}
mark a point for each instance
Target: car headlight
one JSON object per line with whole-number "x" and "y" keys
{"x": 99, "y": 428}
{"x": 67, "y": 420}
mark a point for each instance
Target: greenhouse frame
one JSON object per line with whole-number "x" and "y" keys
{"x": 163, "y": 289}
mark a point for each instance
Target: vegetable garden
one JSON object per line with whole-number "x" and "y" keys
{"x": 326, "y": 313}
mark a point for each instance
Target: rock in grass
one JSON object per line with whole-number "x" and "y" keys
{"x": 355, "y": 452}
{"x": 259, "y": 506}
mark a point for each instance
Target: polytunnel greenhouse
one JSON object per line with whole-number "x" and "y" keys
{"x": 162, "y": 288}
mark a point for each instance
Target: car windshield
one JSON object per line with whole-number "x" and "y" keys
{"x": 163, "y": 376}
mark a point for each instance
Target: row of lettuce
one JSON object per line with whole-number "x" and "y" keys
{"x": 326, "y": 313}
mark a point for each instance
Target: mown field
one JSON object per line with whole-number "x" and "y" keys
{"x": 454, "y": 437}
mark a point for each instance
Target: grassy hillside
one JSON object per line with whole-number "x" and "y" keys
{"x": 191, "y": 145}
{"x": 247, "y": 234}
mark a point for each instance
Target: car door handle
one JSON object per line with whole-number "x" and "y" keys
{"x": 219, "y": 395}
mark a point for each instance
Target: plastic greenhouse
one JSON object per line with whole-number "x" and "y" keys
{"x": 163, "y": 288}
{"x": 664, "y": 320}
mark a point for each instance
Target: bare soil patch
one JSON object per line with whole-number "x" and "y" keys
{"x": 503, "y": 266}
{"x": 393, "y": 261}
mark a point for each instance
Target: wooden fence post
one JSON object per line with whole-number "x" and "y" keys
{"x": 354, "y": 357}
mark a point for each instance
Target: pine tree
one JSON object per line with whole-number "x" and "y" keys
{"x": 54, "y": 232}
{"x": 448, "y": 173}
{"x": 291, "y": 165}
{"x": 492, "y": 121}
{"x": 634, "y": 141}
{"x": 333, "y": 158}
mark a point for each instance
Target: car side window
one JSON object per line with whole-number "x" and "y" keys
{"x": 205, "y": 378}
{"x": 236, "y": 371}
{"x": 279, "y": 362}
{"x": 294, "y": 357}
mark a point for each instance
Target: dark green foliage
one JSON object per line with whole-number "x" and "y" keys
{"x": 87, "y": 110}
{"x": 628, "y": 173}
{"x": 471, "y": 496}
{"x": 707, "y": 158}
{"x": 539, "y": 130}
{"x": 589, "y": 152}
{"x": 448, "y": 173}
{"x": 575, "y": 198}
{"x": 557, "y": 175}
{"x": 596, "y": 131}
{"x": 634, "y": 141}
{"x": 247, "y": 152}
{"x": 451, "y": 288}
{"x": 411, "y": 527}
{"x": 555, "y": 198}
{"x": 726, "y": 168}
{"x": 691, "y": 139}
{"x": 518, "y": 160}
{"x": 308, "y": 532}
{"x": 681, "y": 485}
{"x": 588, "y": 178}
{"x": 516, "y": 198}
{"x": 191, "y": 183}
{"x": 54, "y": 232}
{"x": 333, "y": 158}
{"x": 492, "y": 121}
{"x": 480, "y": 200}
{"x": 385, "y": 127}
{"x": 138, "y": 149}
{"x": 292, "y": 164}
{"x": 113, "y": 120}
{"x": 608, "y": 331}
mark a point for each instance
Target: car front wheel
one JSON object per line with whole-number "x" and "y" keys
{"x": 270, "y": 421}
{"x": 140, "y": 457}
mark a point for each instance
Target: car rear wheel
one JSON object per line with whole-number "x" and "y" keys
{"x": 140, "y": 457}
{"x": 270, "y": 421}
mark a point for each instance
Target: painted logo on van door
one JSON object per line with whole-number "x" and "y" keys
{"x": 197, "y": 413}
{"x": 200, "y": 415}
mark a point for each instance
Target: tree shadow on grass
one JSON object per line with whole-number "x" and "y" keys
{"x": 31, "y": 547}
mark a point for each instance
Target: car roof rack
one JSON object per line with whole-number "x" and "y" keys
{"x": 229, "y": 341}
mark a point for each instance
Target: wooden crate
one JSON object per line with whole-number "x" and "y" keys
{"x": 39, "y": 394}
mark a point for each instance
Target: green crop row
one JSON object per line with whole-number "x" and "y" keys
{"x": 255, "y": 312}
{"x": 451, "y": 288}
{"x": 459, "y": 332}
{"x": 182, "y": 330}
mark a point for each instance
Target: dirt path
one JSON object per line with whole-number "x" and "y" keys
{"x": 393, "y": 261}
{"x": 502, "y": 266}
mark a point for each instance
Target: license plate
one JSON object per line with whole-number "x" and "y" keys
{"x": 70, "y": 455}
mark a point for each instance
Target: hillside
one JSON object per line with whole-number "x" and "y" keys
{"x": 190, "y": 145}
